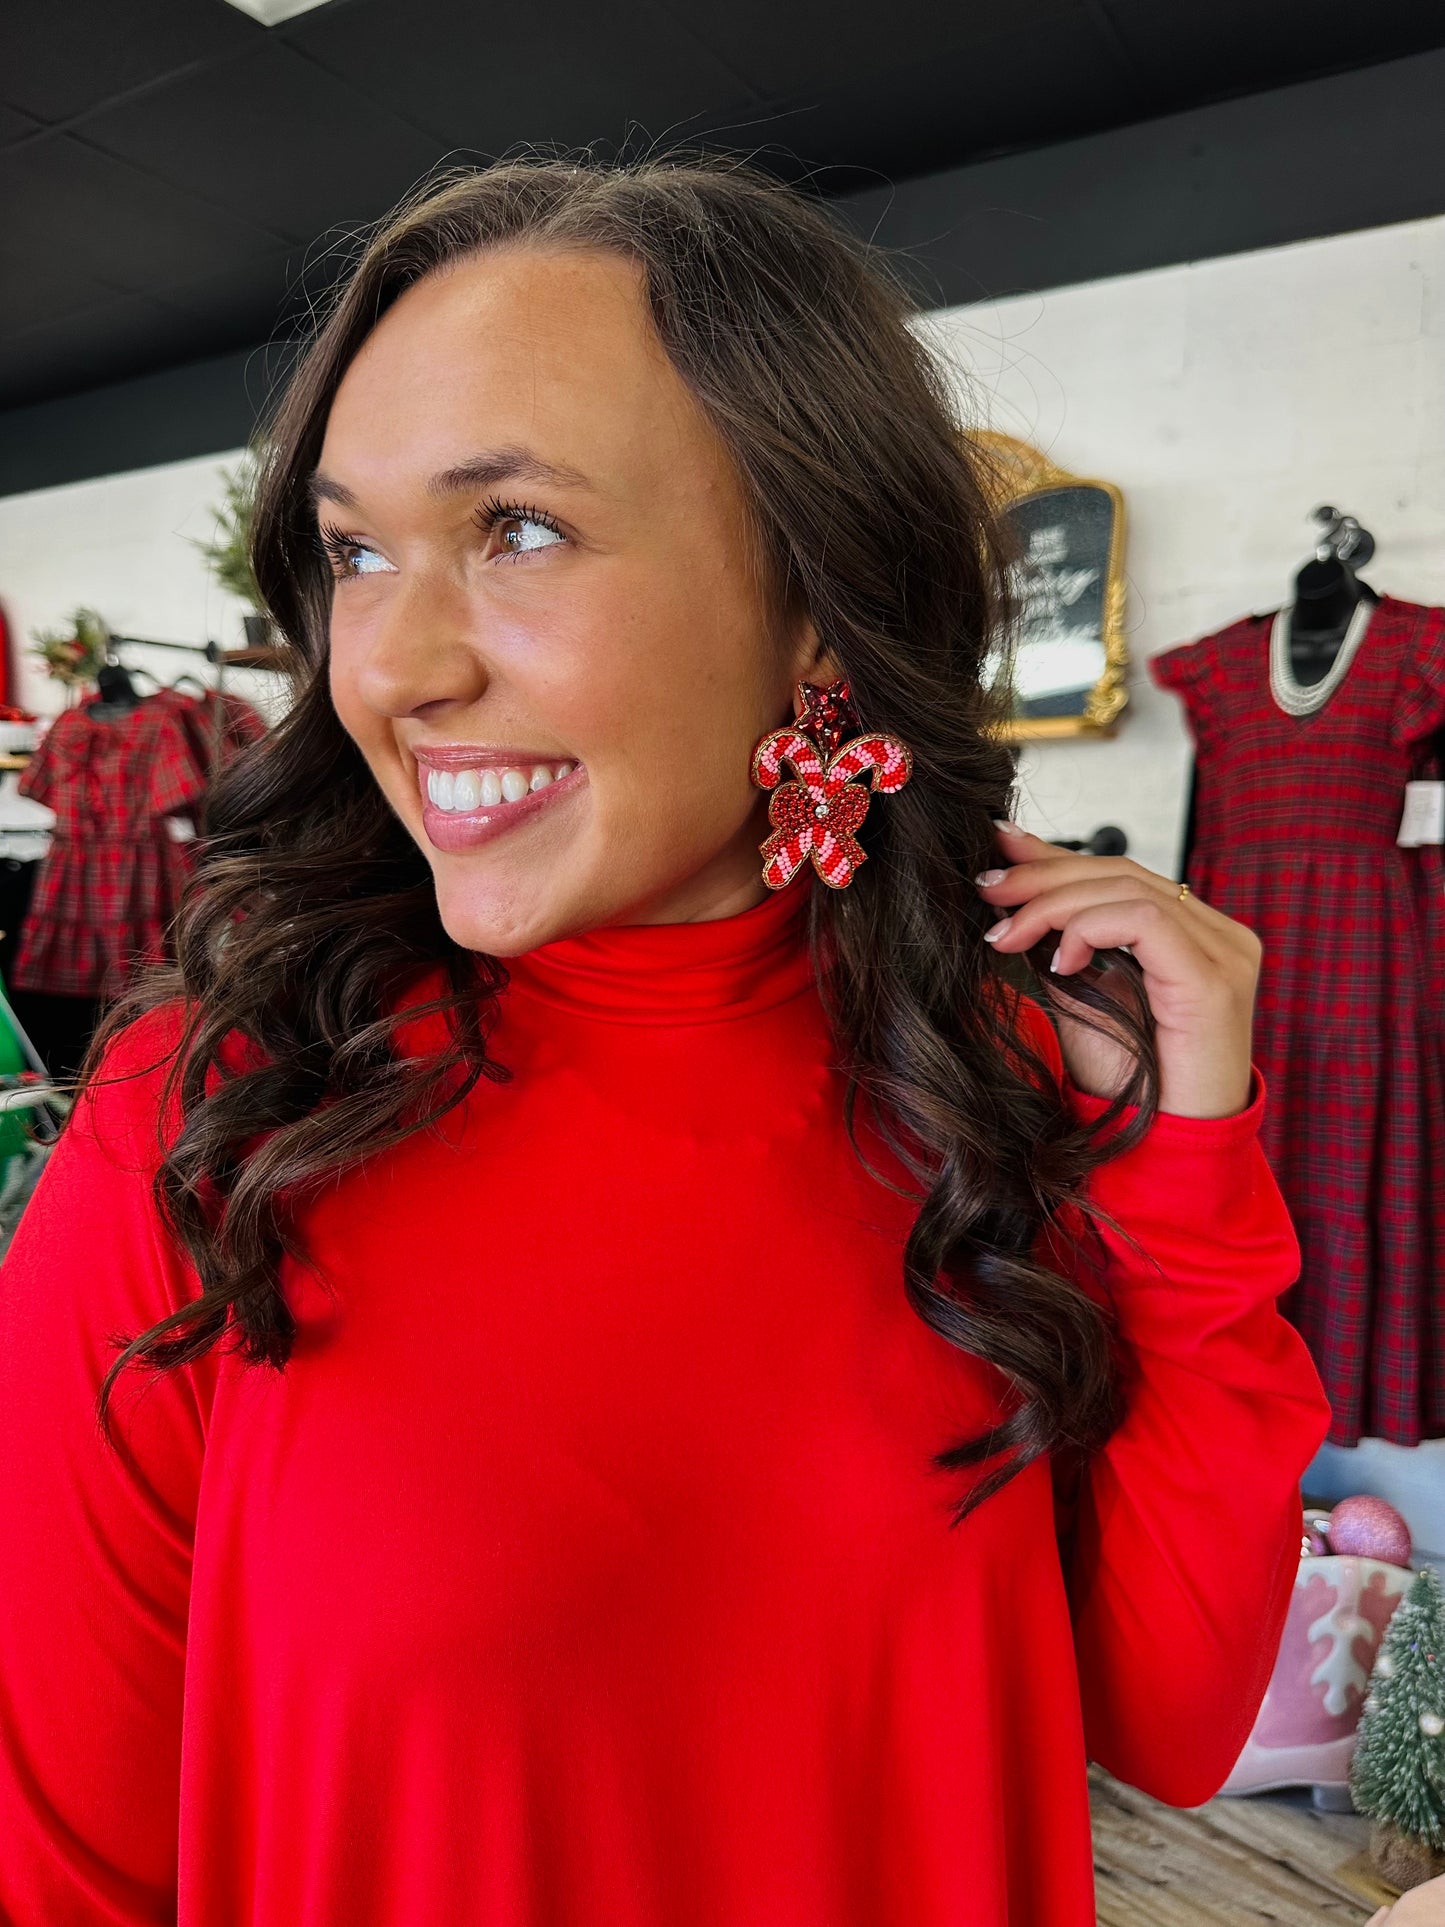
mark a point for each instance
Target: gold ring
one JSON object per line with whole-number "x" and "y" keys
{"x": 1183, "y": 891}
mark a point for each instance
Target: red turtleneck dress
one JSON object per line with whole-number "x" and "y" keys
{"x": 585, "y": 1568}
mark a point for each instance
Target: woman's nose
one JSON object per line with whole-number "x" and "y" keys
{"x": 421, "y": 651}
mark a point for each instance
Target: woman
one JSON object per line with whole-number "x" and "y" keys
{"x": 573, "y": 1461}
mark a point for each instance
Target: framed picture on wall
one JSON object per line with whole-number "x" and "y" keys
{"x": 1067, "y": 658}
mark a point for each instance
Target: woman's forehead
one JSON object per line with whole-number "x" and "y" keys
{"x": 548, "y": 354}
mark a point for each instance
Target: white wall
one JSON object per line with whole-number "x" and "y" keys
{"x": 118, "y": 544}
{"x": 1226, "y": 399}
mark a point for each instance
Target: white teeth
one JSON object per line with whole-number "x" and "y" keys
{"x": 471, "y": 789}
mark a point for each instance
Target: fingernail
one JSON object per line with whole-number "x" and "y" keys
{"x": 1054, "y": 960}
{"x": 1006, "y": 823}
{"x": 987, "y": 878}
{"x": 992, "y": 936}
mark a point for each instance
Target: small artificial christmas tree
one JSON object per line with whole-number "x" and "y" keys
{"x": 1397, "y": 1774}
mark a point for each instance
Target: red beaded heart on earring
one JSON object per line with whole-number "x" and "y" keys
{"x": 818, "y": 816}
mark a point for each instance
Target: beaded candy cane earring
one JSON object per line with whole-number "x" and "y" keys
{"x": 818, "y": 815}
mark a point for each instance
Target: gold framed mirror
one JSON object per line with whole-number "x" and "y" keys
{"x": 1068, "y": 657}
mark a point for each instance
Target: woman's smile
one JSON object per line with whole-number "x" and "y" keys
{"x": 469, "y": 797}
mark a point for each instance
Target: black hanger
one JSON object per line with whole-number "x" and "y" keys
{"x": 118, "y": 694}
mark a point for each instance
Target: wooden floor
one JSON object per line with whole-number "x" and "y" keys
{"x": 1267, "y": 1857}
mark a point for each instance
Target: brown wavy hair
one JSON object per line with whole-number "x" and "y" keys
{"x": 313, "y": 909}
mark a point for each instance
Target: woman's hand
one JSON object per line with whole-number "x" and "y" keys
{"x": 1200, "y": 968}
{"x": 1421, "y": 1907}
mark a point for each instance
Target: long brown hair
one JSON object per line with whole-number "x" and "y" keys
{"x": 313, "y": 908}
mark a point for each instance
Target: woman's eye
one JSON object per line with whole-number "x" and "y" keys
{"x": 348, "y": 557}
{"x": 531, "y": 530}
{"x": 525, "y": 528}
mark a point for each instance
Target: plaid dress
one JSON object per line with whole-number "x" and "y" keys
{"x": 108, "y": 887}
{"x": 1295, "y": 826}
{"x": 215, "y": 739}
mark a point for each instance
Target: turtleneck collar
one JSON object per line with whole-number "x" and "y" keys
{"x": 676, "y": 973}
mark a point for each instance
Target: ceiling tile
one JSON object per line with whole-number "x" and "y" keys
{"x": 127, "y": 230}
{"x": 570, "y": 71}
{"x": 272, "y": 137}
{"x": 809, "y": 46}
{"x": 258, "y": 297}
{"x": 15, "y": 126}
{"x": 1197, "y": 53}
{"x": 946, "y": 109}
{"x": 123, "y": 335}
{"x": 66, "y": 55}
{"x": 35, "y": 291}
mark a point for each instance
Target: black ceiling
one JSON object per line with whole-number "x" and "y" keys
{"x": 176, "y": 178}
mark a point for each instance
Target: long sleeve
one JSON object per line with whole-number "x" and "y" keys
{"x": 95, "y": 1545}
{"x": 1181, "y": 1536}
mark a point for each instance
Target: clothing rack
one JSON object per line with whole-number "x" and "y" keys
{"x": 263, "y": 658}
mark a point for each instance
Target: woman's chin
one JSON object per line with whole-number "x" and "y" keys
{"x": 512, "y": 894}
{"x": 496, "y": 929}
{"x": 490, "y": 908}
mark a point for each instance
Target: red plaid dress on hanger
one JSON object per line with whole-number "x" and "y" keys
{"x": 1296, "y": 817}
{"x": 108, "y": 887}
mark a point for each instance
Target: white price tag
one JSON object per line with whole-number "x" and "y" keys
{"x": 1423, "y": 820}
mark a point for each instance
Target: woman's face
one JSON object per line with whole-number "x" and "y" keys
{"x": 543, "y": 574}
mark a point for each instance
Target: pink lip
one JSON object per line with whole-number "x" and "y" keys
{"x": 453, "y": 830}
{"x": 473, "y": 756}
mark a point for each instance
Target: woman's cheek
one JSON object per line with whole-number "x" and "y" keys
{"x": 345, "y": 696}
{"x": 370, "y": 732}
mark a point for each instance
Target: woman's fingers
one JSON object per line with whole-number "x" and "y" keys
{"x": 1096, "y": 910}
{"x": 1199, "y": 968}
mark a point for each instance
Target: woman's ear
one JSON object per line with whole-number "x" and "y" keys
{"x": 812, "y": 661}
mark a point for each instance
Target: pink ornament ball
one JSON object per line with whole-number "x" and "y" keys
{"x": 1368, "y": 1528}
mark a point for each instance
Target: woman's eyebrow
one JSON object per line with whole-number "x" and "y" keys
{"x": 511, "y": 464}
